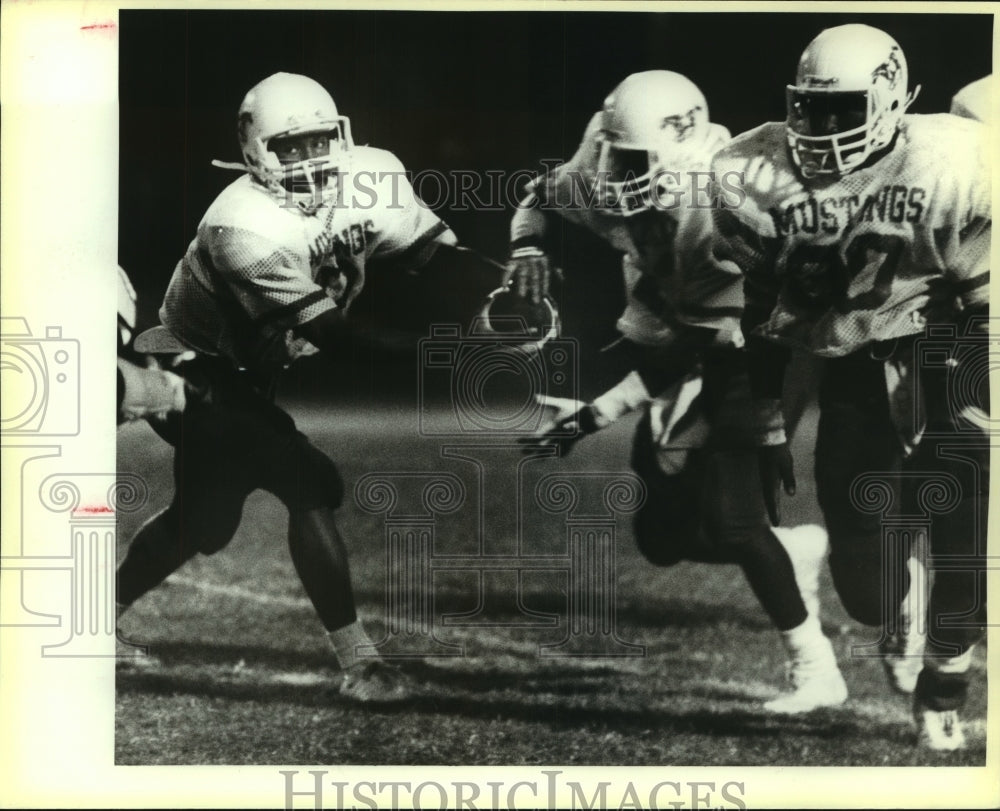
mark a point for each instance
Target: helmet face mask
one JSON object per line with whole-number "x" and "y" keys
{"x": 279, "y": 113}
{"x": 831, "y": 129}
{"x": 652, "y": 122}
{"x": 848, "y": 100}
{"x": 309, "y": 163}
{"x": 625, "y": 175}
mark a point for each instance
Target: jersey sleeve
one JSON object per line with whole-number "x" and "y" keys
{"x": 570, "y": 189}
{"x": 962, "y": 221}
{"x": 974, "y": 100}
{"x": 262, "y": 277}
{"x": 711, "y": 294}
{"x": 743, "y": 244}
{"x": 404, "y": 229}
{"x": 565, "y": 190}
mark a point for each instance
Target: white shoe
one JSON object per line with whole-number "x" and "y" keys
{"x": 816, "y": 682}
{"x": 939, "y": 730}
{"x": 903, "y": 651}
{"x": 376, "y": 683}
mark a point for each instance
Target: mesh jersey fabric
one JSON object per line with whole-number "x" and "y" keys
{"x": 831, "y": 266}
{"x": 671, "y": 277}
{"x": 260, "y": 266}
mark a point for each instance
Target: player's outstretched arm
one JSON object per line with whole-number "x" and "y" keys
{"x": 333, "y": 333}
{"x": 652, "y": 370}
{"x": 149, "y": 392}
{"x": 767, "y": 363}
{"x": 529, "y": 269}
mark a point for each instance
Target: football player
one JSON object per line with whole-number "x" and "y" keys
{"x": 638, "y": 180}
{"x": 144, "y": 389}
{"x": 975, "y": 100}
{"x": 864, "y": 237}
{"x": 270, "y": 276}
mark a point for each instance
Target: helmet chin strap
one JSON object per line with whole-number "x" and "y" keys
{"x": 239, "y": 167}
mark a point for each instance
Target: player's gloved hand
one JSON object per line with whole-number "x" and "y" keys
{"x": 776, "y": 470}
{"x": 529, "y": 274}
{"x": 572, "y": 420}
{"x": 150, "y": 392}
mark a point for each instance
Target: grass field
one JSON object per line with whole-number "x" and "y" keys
{"x": 245, "y": 675}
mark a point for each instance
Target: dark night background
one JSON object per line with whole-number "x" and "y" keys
{"x": 457, "y": 90}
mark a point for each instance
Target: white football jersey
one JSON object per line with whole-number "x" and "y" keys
{"x": 833, "y": 265}
{"x": 975, "y": 100}
{"x": 259, "y": 266}
{"x": 671, "y": 277}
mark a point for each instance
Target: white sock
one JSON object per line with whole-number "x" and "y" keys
{"x": 120, "y": 608}
{"x": 351, "y": 645}
{"x": 806, "y": 546}
{"x": 955, "y": 664}
{"x": 806, "y": 641}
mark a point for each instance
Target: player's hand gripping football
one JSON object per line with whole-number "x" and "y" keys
{"x": 529, "y": 274}
{"x": 776, "y": 471}
{"x": 569, "y": 421}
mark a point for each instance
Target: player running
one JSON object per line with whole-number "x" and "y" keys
{"x": 634, "y": 181}
{"x": 864, "y": 237}
{"x": 278, "y": 258}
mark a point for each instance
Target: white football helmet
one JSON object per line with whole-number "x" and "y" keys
{"x": 287, "y": 104}
{"x": 848, "y": 99}
{"x": 654, "y": 121}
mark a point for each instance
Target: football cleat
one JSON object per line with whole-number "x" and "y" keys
{"x": 938, "y": 730}
{"x": 903, "y": 651}
{"x": 376, "y": 682}
{"x": 816, "y": 682}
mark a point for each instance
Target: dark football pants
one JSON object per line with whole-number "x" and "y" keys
{"x": 226, "y": 445}
{"x": 873, "y": 499}
{"x": 712, "y": 511}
